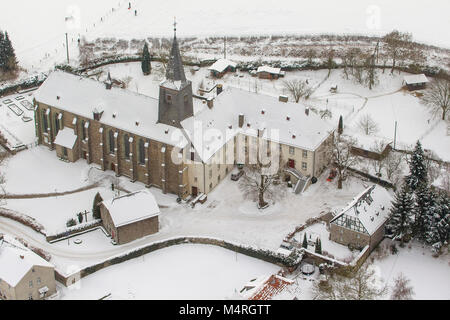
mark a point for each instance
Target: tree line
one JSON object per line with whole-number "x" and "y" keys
{"x": 418, "y": 211}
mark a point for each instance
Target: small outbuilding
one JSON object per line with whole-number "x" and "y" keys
{"x": 131, "y": 216}
{"x": 23, "y": 274}
{"x": 415, "y": 81}
{"x": 65, "y": 144}
{"x": 361, "y": 223}
{"x": 222, "y": 66}
{"x": 266, "y": 72}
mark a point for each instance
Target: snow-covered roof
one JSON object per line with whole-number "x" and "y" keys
{"x": 209, "y": 130}
{"x": 269, "y": 70}
{"x": 81, "y": 95}
{"x": 66, "y": 138}
{"x": 221, "y": 64}
{"x": 370, "y": 207}
{"x": 132, "y": 207}
{"x": 16, "y": 261}
{"x": 415, "y": 78}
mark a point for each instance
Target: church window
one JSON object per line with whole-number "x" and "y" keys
{"x": 169, "y": 99}
{"x": 186, "y": 100}
{"x": 44, "y": 121}
{"x": 56, "y": 123}
{"x": 112, "y": 144}
{"x": 141, "y": 151}
{"x": 126, "y": 143}
{"x": 83, "y": 130}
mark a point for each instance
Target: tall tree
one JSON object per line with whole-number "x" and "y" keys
{"x": 146, "y": 61}
{"x": 437, "y": 98}
{"x": 424, "y": 211}
{"x": 341, "y": 125}
{"x": 10, "y": 63}
{"x": 438, "y": 223}
{"x": 96, "y": 206}
{"x": 417, "y": 168}
{"x": 2, "y": 52}
{"x": 397, "y": 45}
{"x": 401, "y": 219}
{"x": 342, "y": 155}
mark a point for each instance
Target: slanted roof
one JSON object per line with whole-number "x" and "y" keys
{"x": 221, "y": 64}
{"x": 81, "y": 95}
{"x": 66, "y": 138}
{"x": 302, "y": 131}
{"x": 370, "y": 208}
{"x": 132, "y": 207}
{"x": 269, "y": 70}
{"x": 265, "y": 287}
{"x": 415, "y": 79}
{"x": 16, "y": 261}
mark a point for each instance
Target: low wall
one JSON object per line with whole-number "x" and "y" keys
{"x": 23, "y": 219}
{"x": 265, "y": 255}
{"x": 74, "y": 230}
{"x": 373, "y": 179}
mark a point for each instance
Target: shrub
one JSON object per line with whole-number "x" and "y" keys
{"x": 96, "y": 207}
{"x": 71, "y": 223}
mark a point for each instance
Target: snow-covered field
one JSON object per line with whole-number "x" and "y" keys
{"x": 430, "y": 277}
{"x": 37, "y": 28}
{"x": 194, "y": 272}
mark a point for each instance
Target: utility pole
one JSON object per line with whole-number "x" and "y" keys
{"x": 67, "y": 48}
{"x": 395, "y": 134}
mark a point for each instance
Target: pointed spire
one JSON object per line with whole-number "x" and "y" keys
{"x": 175, "y": 69}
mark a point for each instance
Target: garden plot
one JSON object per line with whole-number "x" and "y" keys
{"x": 179, "y": 272}
{"x": 12, "y": 125}
{"x": 54, "y": 212}
{"x": 92, "y": 241}
{"x": 329, "y": 248}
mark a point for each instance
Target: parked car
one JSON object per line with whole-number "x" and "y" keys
{"x": 237, "y": 176}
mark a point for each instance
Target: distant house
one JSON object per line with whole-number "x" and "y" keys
{"x": 265, "y": 287}
{"x": 365, "y": 149}
{"x": 266, "y": 72}
{"x": 23, "y": 274}
{"x": 415, "y": 81}
{"x": 131, "y": 216}
{"x": 222, "y": 66}
{"x": 362, "y": 222}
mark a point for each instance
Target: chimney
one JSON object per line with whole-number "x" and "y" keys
{"x": 97, "y": 114}
{"x": 219, "y": 89}
{"x": 210, "y": 103}
{"x": 241, "y": 120}
{"x": 307, "y": 111}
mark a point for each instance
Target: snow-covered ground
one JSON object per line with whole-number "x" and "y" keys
{"x": 226, "y": 215}
{"x": 39, "y": 47}
{"x": 180, "y": 272}
{"x": 430, "y": 277}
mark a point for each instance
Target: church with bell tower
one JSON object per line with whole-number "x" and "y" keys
{"x": 175, "y": 92}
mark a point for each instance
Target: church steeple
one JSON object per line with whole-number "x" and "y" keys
{"x": 175, "y": 70}
{"x": 175, "y": 92}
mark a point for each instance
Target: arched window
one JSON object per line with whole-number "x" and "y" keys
{"x": 56, "y": 123}
{"x": 112, "y": 144}
{"x": 44, "y": 121}
{"x": 141, "y": 151}
{"x": 126, "y": 143}
{"x": 83, "y": 129}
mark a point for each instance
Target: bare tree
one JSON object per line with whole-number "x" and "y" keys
{"x": 259, "y": 179}
{"x": 350, "y": 284}
{"x": 310, "y": 55}
{"x": 86, "y": 52}
{"x": 402, "y": 289}
{"x": 378, "y": 147}
{"x": 367, "y": 125}
{"x": 297, "y": 88}
{"x": 343, "y": 158}
{"x": 437, "y": 98}
{"x": 394, "y": 164}
{"x": 397, "y": 46}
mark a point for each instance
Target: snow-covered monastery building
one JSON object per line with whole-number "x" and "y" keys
{"x": 161, "y": 143}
